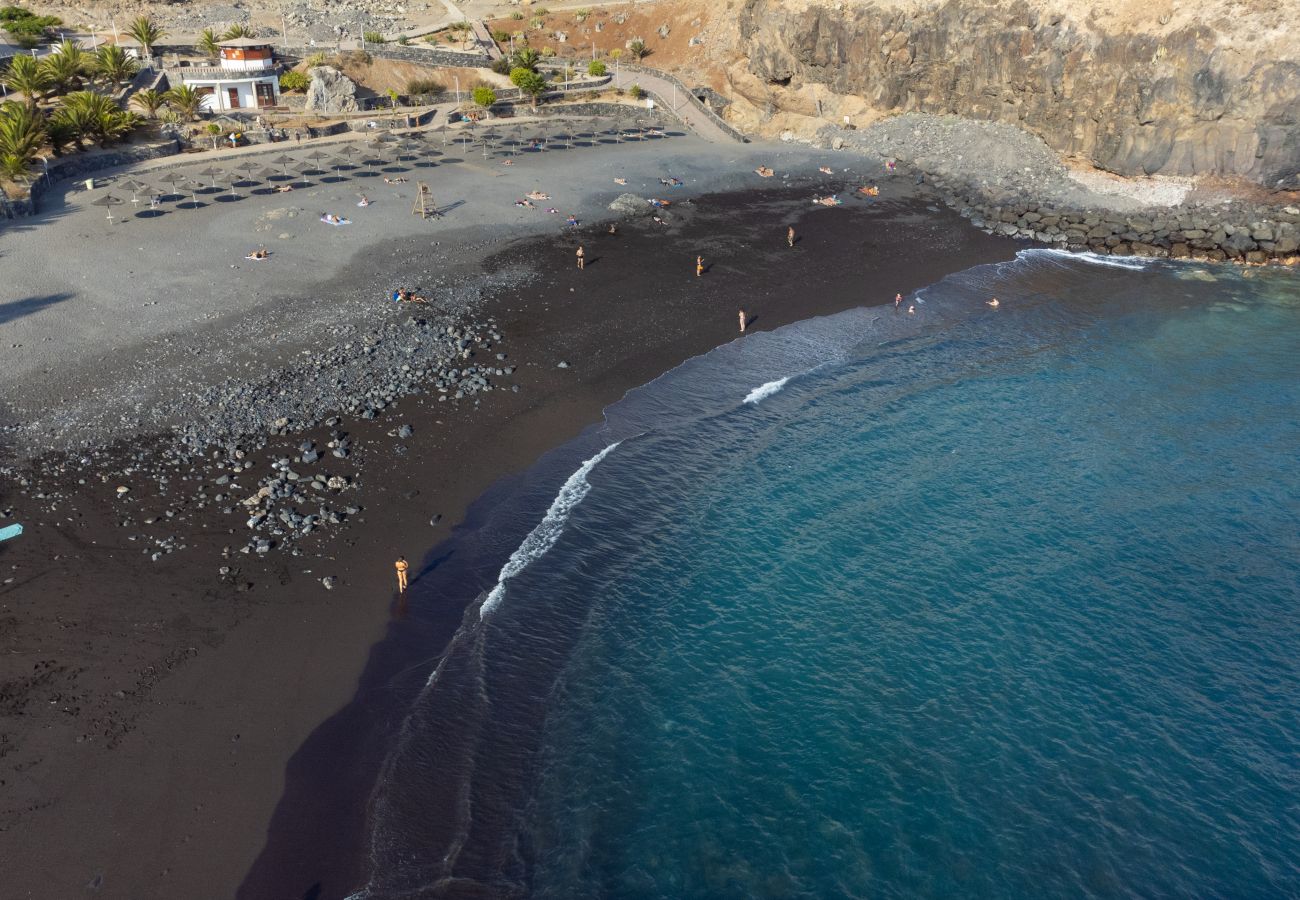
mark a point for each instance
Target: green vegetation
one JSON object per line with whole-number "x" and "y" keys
{"x": 143, "y": 29}
{"x": 529, "y": 83}
{"x": 525, "y": 58}
{"x": 66, "y": 67}
{"x": 87, "y": 115}
{"x": 214, "y": 128}
{"x": 501, "y": 66}
{"x": 484, "y": 97}
{"x": 637, "y": 49}
{"x": 207, "y": 43}
{"x": 26, "y": 76}
{"x": 548, "y": 52}
{"x": 392, "y": 98}
{"x": 186, "y": 101}
{"x": 464, "y": 29}
{"x": 581, "y": 15}
{"x": 372, "y": 37}
{"x": 112, "y": 63}
{"x": 636, "y": 92}
{"x": 149, "y": 100}
{"x": 423, "y": 87}
{"x": 294, "y": 81}
{"x": 501, "y": 36}
{"x": 26, "y": 28}
{"x": 22, "y": 134}
{"x": 238, "y": 30}
{"x": 596, "y": 68}
{"x": 517, "y": 16}
{"x": 316, "y": 59}
{"x": 403, "y": 40}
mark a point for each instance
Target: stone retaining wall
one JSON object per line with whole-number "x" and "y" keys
{"x": 83, "y": 166}
{"x": 429, "y": 56}
{"x": 699, "y": 106}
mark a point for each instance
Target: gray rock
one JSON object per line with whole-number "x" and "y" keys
{"x": 331, "y": 91}
{"x": 405, "y": 431}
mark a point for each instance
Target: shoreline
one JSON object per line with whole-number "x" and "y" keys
{"x": 190, "y": 761}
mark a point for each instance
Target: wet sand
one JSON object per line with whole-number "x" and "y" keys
{"x": 263, "y": 698}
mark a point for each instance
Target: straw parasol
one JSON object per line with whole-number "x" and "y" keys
{"x": 194, "y": 187}
{"x": 212, "y": 172}
{"x": 108, "y": 201}
{"x": 136, "y": 188}
{"x": 173, "y": 178}
{"x": 246, "y": 167}
{"x": 283, "y": 161}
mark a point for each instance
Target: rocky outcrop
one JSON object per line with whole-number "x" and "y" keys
{"x": 331, "y": 91}
{"x": 1178, "y": 100}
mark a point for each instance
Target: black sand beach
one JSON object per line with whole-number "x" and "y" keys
{"x": 162, "y": 704}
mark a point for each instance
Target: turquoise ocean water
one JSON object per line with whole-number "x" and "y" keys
{"x": 972, "y": 602}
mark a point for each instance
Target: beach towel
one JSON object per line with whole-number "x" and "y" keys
{"x": 339, "y": 222}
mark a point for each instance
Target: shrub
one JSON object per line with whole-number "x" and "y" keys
{"x": 316, "y": 59}
{"x": 403, "y": 40}
{"x": 355, "y": 58}
{"x": 517, "y": 16}
{"x": 484, "y": 96}
{"x": 238, "y": 30}
{"x": 501, "y": 66}
{"x": 635, "y": 92}
{"x": 294, "y": 81}
{"x": 214, "y": 128}
{"x": 615, "y": 53}
{"x": 596, "y": 67}
{"x": 420, "y": 87}
{"x": 372, "y": 37}
{"x": 638, "y": 49}
{"x": 541, "y": 11}
{"x": 581, "y": 14}
{"x": 501, "y": 36}
{"x": 548, "y": 52}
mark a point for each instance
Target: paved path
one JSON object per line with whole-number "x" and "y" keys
{"x": 670, "y": 95}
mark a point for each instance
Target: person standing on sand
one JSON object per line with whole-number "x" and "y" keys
{"x": 789, "y": 239}
{"x": 699, "y": 266}
{"x": 742, "y": 321}
{"x": 582, "y": 258}
{"x": 898, "y": 300}
{"x": 401, "y": 566}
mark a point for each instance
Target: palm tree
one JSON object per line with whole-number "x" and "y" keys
{"x": 144, "y": 30}
{"x": 22, "y": 132}
{"x": 527, "y": 58}
{"x": 26, "y": 76}
{"x": 94, "y": 116}
{"x": 638, "y": 49}
{"x": 238, "y": 31}
{"x": 149, "y": 100}
{"x": 207, "y": 44}
{"x": 65, "y": 67}
{"x": 114, "y": 65}
{"x": 58, "y": 134}
{"x": 185, "y": 100}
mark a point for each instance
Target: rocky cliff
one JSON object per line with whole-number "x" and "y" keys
{"x": 1161, "y": 89}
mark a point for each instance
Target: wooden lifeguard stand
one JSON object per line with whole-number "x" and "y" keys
{"x": 423, "y": 207}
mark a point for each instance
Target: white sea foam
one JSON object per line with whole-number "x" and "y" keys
{"x": 548, "y": 531}
{"x": 1116, "y": 262}
{"x": 763, "y": 391}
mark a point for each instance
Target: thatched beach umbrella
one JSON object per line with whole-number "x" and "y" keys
{"x": 246, "y": 168}
{"x": 137, "y": 188}
{"x": 173, "y": 178}
{"x": 108, "y": 201}
{"x": 194, "y": 187}
{"x": 283, "y": 161}
{"x": 316, "y": 156}
{"x": 336, "y": 163}
{"x": 212, "y": 172}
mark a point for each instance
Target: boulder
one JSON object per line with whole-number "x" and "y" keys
{"x": 331, "y": 91}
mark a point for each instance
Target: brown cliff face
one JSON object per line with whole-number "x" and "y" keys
{"x": 1180, "y": 101}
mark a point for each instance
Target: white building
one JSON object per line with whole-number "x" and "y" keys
{"x": 245, "y": 77}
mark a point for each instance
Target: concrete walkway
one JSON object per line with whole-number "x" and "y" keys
{"x": 670, "y": 95}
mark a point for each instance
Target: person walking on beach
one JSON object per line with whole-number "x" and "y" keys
{"x": 789, "y": 239}
{"x": 742, "y": 321}
{"x": 401, "y": 566}
{"x": 582, "y": 258}
{"x": 699, "y": 266}
{"x": 898, "y": 300}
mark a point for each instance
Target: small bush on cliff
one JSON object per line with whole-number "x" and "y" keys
{"x": 294, "y": 81}
{"x": 424, "y": 87}
{"x": 635, "y": 92}
{"x": 484, "y": 97}
{"x": 596, "y": 68}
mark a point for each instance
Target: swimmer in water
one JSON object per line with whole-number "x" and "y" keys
{"x": 994, "y": 303}
{"x": 911, "y": 310}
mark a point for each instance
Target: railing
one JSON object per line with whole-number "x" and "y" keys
{"x": 690, "y": 97}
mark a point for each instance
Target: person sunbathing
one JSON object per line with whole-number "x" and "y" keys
{"x": 826, "y": 170}
{"x": 869, "y": 190}
{"x": 525, "y": 203}
{"x": 259, "y": 253}
{"x": 537, "y": 195}
{"x": 283, "y": 188}
{"x": 364, "y": 201}
{"x": 660, "y": 204}
{"x": 388, "y": 180}
{"x": 622, "y": 181}
{"x": 507, "y": 162}
{"x": 828, "y": 201}
{"x": 671, "y": 182}
{"x": 572, "y": 222}
{"x": 402, "y": 295}
{"x": 765, "y": 171}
